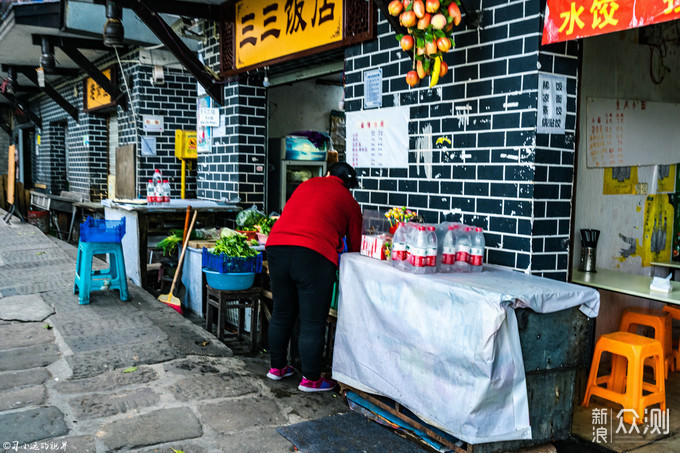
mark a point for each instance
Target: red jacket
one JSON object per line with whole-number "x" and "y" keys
{"x": 317, "y": 216}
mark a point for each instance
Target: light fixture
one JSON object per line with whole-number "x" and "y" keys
{"x": 47, "y": 57}
{"x": 265, "y": 81}
{"x": 113, "y": 30}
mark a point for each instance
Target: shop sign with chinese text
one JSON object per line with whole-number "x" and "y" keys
{"x": 566, "y": 20}
{"x": 95, "y": 97}
{"x": 268, "y": 29}
{"x": 258, "y": 33}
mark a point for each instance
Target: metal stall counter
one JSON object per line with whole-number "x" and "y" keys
{"x": 451, "y": 349}
{"x": 143, "y": 220}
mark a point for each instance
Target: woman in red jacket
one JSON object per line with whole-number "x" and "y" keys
{"x": 302, "y": 251}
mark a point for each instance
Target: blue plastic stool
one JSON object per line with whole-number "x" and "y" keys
{"x": 112, "y": 278}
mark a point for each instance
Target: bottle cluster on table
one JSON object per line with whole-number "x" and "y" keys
{"x": 447, "y": 247}
{"x": 158, "y": 190}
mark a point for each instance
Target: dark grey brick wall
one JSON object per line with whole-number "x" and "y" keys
{"x": 86, "y": 166}
{"x": 498, "y": 173}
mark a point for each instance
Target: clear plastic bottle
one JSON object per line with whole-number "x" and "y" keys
{"x": 431, "y": 250}
{"x": 399, "y": 253}
{"x": 462, "y": 250}
{"x": 449, "y": 250}
{"x": 166, "y": 191}
{"x": 418, "y": 251}
{"x": 476, "y": 256}
{"x": 150, "y": 193}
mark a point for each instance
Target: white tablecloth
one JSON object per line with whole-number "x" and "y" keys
{"x": 446, "y": 346}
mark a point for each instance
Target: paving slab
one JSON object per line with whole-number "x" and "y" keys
{"x": 97, "y": 405}
{"x": 20, "y": 334}
{"x": 194, "y": 365}
{"x": 73, "y": 444}
{"x": 18, "y": 379}
{"x": 174, "y": 447}
{"x": 92, "y": 363}
{"x": 240, "y": 413}
{"x": 213, "y": 386}
{"x": 22, "y": 397}
{"x": 30, "y": 357}
{"x": 157, "y": 427}
{"x": 258, "y": 440}
{"x": 32, "y": 425}
{"x": 109, "y": 381}
{"x": 29, "y": 307}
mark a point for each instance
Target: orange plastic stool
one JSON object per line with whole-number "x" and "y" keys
{"x": 625, "y": 384}
{"x": 659, "y": 320}
{"x": 675, "y": 314}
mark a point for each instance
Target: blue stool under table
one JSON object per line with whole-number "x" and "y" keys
{"x": 100, "y": 237}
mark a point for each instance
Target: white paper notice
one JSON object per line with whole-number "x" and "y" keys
{"x": 552, "y": 104}
{"x": 378, "y": 138}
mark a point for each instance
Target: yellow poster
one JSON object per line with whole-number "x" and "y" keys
{"x": 666, "y": 178}
{"x": 269, "y": 29}
{"x": 95, "y": 96}
{"x": 658, "y": 229}
{"x": 620, "y": 180}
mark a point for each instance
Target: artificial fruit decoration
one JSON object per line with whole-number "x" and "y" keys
{"x": 395, "y": 7}
{"x": 430, "y": 25}
{"x": 412, "y": 78}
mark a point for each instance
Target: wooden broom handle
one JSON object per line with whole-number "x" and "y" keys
{"x": 181, "y": 257}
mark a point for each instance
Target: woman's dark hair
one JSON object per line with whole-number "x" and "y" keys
{"x": 344, "y": 171}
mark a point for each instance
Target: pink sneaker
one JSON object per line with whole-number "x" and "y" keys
{"x": 277, "y": 374}
{"x": 322, "y": 385}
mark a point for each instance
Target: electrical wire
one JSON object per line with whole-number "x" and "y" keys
{"x": 127, "y": 89}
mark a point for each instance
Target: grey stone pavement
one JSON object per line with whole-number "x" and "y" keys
{"x": 125, "y": 376}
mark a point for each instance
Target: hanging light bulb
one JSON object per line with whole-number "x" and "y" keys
{"x": 265, "y": 81}
{"x": 113, "y": 30}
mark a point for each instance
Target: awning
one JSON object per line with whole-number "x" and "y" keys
{"x": 566, "y": 20}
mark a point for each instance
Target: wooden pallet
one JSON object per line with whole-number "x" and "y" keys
{"x": 397, "y": 411}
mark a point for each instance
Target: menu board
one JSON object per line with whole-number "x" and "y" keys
{"x": 624, "y": 132}
{"x": 378, "y": 138}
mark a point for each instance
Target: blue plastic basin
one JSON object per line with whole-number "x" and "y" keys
{"x": 235, "y": 281}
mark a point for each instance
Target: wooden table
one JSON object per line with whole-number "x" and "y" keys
{"x": 142, "y": 221}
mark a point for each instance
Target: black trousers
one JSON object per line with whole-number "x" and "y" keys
{"x": 302, "y": 284}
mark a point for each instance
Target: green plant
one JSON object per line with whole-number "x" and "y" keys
{"x": 169, "y": 244}
{"x": 235, "y": 245}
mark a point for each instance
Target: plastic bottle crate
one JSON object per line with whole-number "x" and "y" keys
{"x": 230, "y": 264}
{"x": 100, "y": 230}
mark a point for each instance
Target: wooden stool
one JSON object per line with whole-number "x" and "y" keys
{"x": 221, "y": 301}
{"x": 659, "y": 320}
{"x": 625, "y": 385}
{"x": 675, "y": 314}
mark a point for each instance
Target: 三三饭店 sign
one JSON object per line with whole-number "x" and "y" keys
{"x": 258, "y": 33}
{"x": 566, "y": 20}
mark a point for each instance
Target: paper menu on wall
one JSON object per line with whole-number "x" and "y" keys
{"x": 626, "y": 132}
{"x": 378, "y": 138}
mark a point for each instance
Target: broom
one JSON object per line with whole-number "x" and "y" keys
{"x": 170, "y": 299}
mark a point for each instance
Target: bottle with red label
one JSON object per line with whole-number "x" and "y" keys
{"x": 476, "y": 256}
{"x": 399, "y": 246}
{"x": 418, "y": 251}
{"x": 431, "y": 249}
{"x": 462, "y": 250}
{"x": 150, "y": 193}
{"x": 166, "y": 191}
{"x": 449, "y": 249}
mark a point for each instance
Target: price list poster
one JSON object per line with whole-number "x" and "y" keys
{"x": 378, "y": 138}
{"x": 605, "y": 140}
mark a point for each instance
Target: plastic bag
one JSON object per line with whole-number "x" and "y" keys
{"x": 248, "y": 218}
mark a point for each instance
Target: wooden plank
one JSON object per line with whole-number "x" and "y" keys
{"x": 3, "y": 193}
{"x": 396, "y": 412}
{"x": 125, "y": 172}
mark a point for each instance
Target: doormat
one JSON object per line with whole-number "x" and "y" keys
{"x": 346, "y": 433}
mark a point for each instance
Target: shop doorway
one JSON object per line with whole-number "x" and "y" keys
{"x": 320, "y": 112}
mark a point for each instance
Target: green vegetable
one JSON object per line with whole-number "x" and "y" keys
{"x": 169, "y": 244}
{"x": 248, "y": 218}
{"x": 265, "y": 225}
{"x": 235, "y": 246}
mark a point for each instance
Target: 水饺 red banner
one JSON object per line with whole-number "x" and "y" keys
{"x": 566, "y": 20}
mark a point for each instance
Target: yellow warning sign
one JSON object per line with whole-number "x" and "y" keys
{"x": 185, "y": 144}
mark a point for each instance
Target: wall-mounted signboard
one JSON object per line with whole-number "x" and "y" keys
{"x": 258, "y": 33}
{"x": 566, "y": 19}
{"x": 94, "y": 96}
